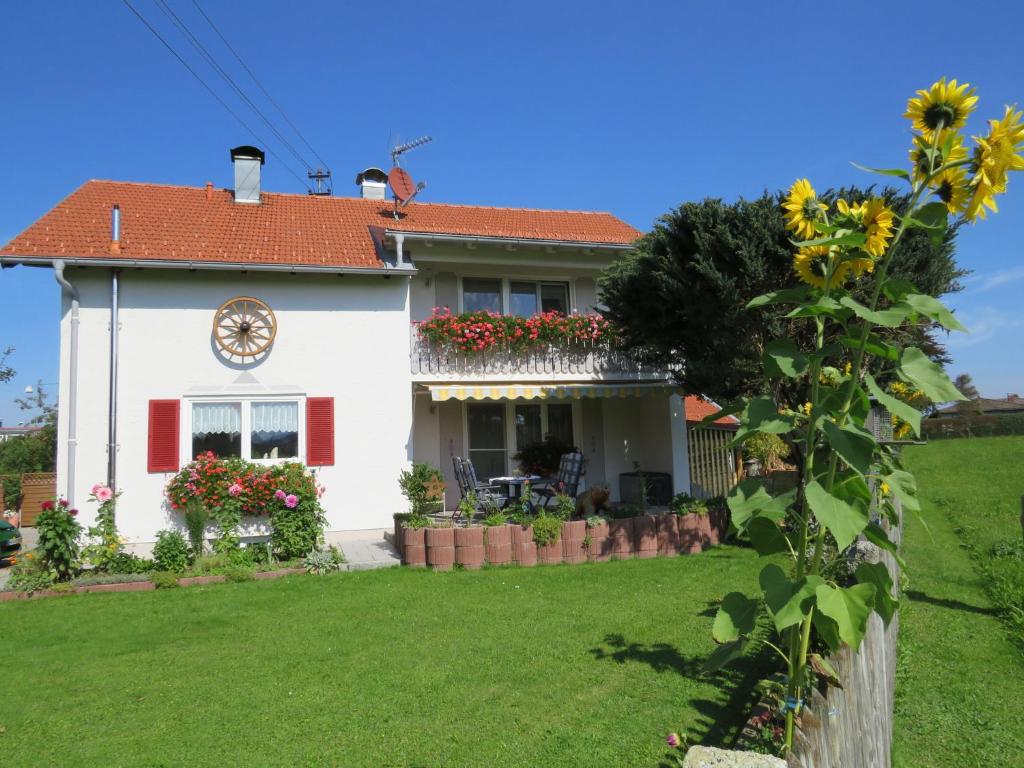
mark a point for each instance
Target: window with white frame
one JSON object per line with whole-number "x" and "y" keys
{"x": 258, "y": 430}
{"x": 521, "y": 297}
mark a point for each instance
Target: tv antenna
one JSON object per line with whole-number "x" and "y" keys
{"x": 402, "y": 186}
{"x": 322, "y": 179}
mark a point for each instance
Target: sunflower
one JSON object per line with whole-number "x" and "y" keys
{"x": 877, "y": 219}
{"x": 944, "y": 105}
{"x": 995, "y": 156}
{"x": 860, "y": 266}
{"x": 951, "y": 188}
{"x": 919, "y": 156}
{"x": 811, "y": 264}
{"x": 802, "y": 208}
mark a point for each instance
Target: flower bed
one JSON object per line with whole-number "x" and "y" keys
{"x": 628, "y": 538}
{"x": 480, "y": 331}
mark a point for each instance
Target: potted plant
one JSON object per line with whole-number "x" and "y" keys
{"x": 547, "y": 531}
{"x": 524, "y": 548}
{"x": 469, "y": 539}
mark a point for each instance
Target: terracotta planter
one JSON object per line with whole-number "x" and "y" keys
{"x": 690, "y": 539}
{"x": 573, "y": 532}
{"x": 441, "y": 548}
{"x": 706, "y": 532}
{"x": 400, "y": 519}
{"x": 668, "y": 535}
{"x": 469, "y": 537}
{"x": 498, "y": 546}
{"x": 471, "y": 557}
{"x": 645, "y": 530}
{"x": 524, "y": 550}
{"x": 550, "y": 554}
{"x": 414, "y": 550}
{"x": 600, "y": 545}
{"x": 620, "y": 534}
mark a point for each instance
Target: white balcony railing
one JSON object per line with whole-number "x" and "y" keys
{"x": 576, "y": 360}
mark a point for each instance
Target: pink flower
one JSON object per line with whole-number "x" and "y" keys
{"x": 291, "y": 501}
{"x": 673, "y": 740}
{"x": 73, "y": 512}
{"x": 96, "y": 488}
{"x": 102, "y": 493}
{"x": 279, "y": 494}
{"x": 235, "y": 489}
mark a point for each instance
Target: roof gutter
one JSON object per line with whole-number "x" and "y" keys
{"x": 521, "y": 241}
{"x": 46, "y": 261}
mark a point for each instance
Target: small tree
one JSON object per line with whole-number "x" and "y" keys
{"x": 972, "y": 405}
{"x": 6, "y": 372}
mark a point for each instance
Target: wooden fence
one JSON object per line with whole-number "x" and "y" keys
{"x": 36, "y": 487}
{"x": 713, "y": 465}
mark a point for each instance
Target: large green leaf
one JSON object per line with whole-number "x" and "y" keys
{"x": 907, "y": 412}
{"x": 854, "y": 445}
{"x": 723, "y": 654}
{"x": 878, "y": 574}
{"x": 877, "y": 536}
{"x": 874, "y": 344}
{"x": 890, "y": 318}
{"x": 749, "y": 497}
{"x": 766, "y": 536}
{"x": 828, "y": 631}
{"x": 849, "y": 608}
{"x": 845, "y": 521}
{"x": 928, "y": 376}
{"x": 783, "y": 358}
{"x": 849, "y": 239}
{"x": 899, "y": 172}
{"x": 825, "y": 305}
{"x": 934, "y": 309}
{"x": 788, "y": 601}
{"x": 736, "y": 616}
{"x": 783, "y": 296}
{"x": 762, "y": 415}
{"x": 933, "y": 217}
{"x": 895, "y": 289}
{"x": 904, "y": 487}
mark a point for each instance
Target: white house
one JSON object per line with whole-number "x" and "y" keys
{"x": 149, "y": 273}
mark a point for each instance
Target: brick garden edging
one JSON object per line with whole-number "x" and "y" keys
{"x": 140, "y": 586}
{"x": 644, "y": 536}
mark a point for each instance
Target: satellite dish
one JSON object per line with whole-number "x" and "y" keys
{"x": 401, "y": 184}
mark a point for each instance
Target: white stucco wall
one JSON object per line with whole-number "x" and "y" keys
{"x": 644, "y": 430}
{"x": 345, "y": 338}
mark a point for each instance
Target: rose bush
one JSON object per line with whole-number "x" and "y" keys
{"x": 480, "y": 331}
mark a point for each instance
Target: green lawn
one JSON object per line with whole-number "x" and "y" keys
{"x": 557, "y": 666}
{"x": 960, "y": 685}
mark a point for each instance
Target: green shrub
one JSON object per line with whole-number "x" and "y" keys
{"x": 196, "y": 517}
{"x": 497, "y": 517}
{"x": 170, "y": 553}
{"x": 769, "y": 449}
{"x": 30, "y": 574}
{"x": 238, "y": 573}
{"x": 228, "y": 518}
{"x": 685, "y": 504}
{"x": 547, "y": 529}
{"x": 297, "y": 531}
{"x": 58, "y": 538}
{"x": 565, "y": 506}
{"x": 413, "y": 483}
{"x": 208, "y": 564}
{"x": 322, "y": 562}
{"x": 164, "y": 579}
{"x": 109, "y": 578}
{"x": 125, "y": 563}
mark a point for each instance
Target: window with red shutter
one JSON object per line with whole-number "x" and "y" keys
{"x": 164, "y": 426}
{"x": 319, "y": 431}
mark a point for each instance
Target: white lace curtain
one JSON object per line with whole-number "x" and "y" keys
{"x": 275, "y": 417}
{"x": 216, "y": 418}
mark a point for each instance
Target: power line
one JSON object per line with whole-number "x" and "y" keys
{"x": 183, "y": 28}
{"x": 259, "y": 84}
{"x": 214, "y": 93}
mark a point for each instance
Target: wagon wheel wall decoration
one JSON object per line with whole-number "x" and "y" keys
{"x": 244, "y": 327}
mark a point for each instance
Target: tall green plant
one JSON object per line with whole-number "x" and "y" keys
{"x": 839, "y": 248}
{"x": 58, "y": 538}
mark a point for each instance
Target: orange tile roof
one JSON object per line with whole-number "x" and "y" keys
{"x": 162, "y": 222}
{"x": 697, "y": 408}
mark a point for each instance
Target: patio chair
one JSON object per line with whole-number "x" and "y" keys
{"x": 486, "y": 494}
{"x": 567, "y": 481}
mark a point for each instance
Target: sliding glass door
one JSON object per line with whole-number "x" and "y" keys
{"x": 485, "y": 426}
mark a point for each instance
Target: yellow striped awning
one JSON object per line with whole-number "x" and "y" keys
{"x": 546, "y": 391}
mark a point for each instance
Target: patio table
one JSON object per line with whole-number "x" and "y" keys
{"x": 514, "y": 486}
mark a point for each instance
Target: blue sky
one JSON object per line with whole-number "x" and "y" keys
{"x": 627, "y": 107}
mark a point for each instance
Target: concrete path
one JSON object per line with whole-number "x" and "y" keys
{"x": 365, "y": 549}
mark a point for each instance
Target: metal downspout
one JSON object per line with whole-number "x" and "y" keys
{"x": 72, "y": 407}
{"x": 112, "y": 435}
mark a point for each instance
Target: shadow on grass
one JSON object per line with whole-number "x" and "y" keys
{"x": 953, "y": 605}
{"x": 718, "y": 722}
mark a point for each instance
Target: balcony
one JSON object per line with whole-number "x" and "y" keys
{"x": 578, "y": 360}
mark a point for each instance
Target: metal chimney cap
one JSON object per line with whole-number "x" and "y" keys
{"x": 249, "y": 153}
{"x": 371, "y": 174}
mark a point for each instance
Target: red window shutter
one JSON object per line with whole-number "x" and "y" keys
{"x": 164, "y": 426}
{"x": 319, "y": 431}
